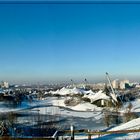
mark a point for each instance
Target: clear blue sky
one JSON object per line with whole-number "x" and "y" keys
{"x": 53, "y": 42}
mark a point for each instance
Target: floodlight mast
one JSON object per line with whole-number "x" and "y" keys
{"x": 113, "y": 95}
{"x": 86, "y": 81}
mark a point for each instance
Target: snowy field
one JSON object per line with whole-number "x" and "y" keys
{"x": 80, "y": 117}
{"x": 83, "y": 115}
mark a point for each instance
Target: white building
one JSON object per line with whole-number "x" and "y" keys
{"x": 4, "y": 84}
{"x": 115, "y": 84}
{"x": 123, "y": 84}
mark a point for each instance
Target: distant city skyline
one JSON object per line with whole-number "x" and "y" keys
{"x": 59, "y": 42}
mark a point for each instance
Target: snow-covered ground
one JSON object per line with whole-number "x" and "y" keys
{"x": 133, "y": 124}
{"x": 82, "y": 115}
{"x": 67, "y": 113}
{"x": 136, "y": 105}
{"x": 83, "y": 106}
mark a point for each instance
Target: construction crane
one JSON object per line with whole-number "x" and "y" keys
{"x": 113, "y": 95}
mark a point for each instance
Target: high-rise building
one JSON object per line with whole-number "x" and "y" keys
{"x": 115, "y": 84}
{"x": 124, "y": 84}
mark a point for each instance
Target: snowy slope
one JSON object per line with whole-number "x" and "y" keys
{"x": 86, "y": 107}
{"x": 133, "y": 124}
{"x": 80, "y": 107}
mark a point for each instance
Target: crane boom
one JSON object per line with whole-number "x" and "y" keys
{"x": 113, "y": 95}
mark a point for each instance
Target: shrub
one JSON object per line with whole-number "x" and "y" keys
{"x": 86, "y": 99}
{"x": 72, "y": 102}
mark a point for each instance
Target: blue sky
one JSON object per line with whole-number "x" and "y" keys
{"x": 57, "y": 42}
